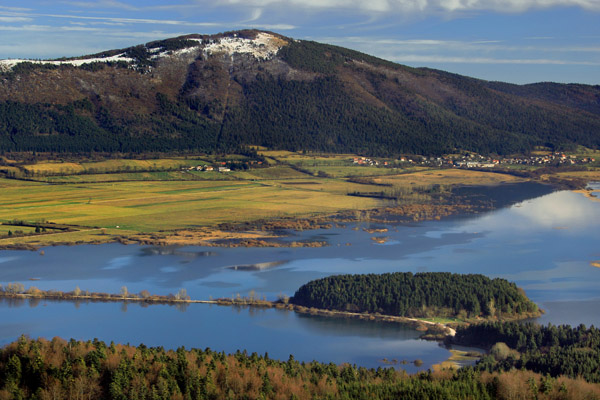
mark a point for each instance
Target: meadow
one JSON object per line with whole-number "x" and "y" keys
{"x": 102, "y": 210}
{"x": 126, "y": 197}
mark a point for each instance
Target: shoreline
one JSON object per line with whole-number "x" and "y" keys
{"x": 264, "y": 232}
{"x": 435, "y": 331}
{"x": 440, "y": 201}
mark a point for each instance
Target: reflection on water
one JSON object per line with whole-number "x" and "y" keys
{"x": 278, "y": 332}
{"x": 175, "y": 251}
{"x": 568, "y": 312}
{"x": 544, "y": 244}
{"x": 565, "y": 210}
{"x": 119, "y": 262}
{"x": 258, "y": 266}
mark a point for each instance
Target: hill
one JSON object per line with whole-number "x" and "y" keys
{"x": 222, "y": 92}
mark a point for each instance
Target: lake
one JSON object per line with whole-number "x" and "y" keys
{"x": 543, "y": 241}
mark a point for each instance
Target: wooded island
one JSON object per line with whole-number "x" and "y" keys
{"x": 433, "y": 294}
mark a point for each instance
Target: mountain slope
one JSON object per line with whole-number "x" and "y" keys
{"x": 220, "y": 92}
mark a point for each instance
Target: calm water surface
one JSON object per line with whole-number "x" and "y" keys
{"x": 544, "y": 244}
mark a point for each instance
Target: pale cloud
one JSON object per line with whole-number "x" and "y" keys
{"x": 15, "y": 19}
{"x": 26, "y": 28}
{"x": 465, "y": 51}
{"x": 80, "y": 19}
{"x": 255, "y": 14}
{"x": 416, "y": 58}
{"x": 420, "y": 6}
{"x": 17, "y": 9}
{"x": 103, "y": 4}
{"x": 272, "y": 27}
{"x": 130, "y": 20}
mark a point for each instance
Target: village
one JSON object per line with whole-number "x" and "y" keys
{"x": 479, "y": 161}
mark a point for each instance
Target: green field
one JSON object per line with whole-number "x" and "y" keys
{"x": 5, "y": 228}
{"x": 108, "y": 208}
{"x": 138, "y": 176}
{"x": 118, "y": 165}
{"x": 103, "y": 205}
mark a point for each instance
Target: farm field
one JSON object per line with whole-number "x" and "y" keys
{"x": 106, "y": 209}
{"x": 148, "y": 206}
{"x": 427, "y": 176}
{"x": 123, "y": 165}
{"x": 137, "y": 197}
{"x": 137, "y": 176}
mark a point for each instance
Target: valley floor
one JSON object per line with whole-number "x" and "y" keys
{"x": 171, "y": 202}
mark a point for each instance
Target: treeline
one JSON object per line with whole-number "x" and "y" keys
{"x": 17, "y": 290}
{"x": 419, "y": 295}
{"x": 552, "y": 350}
{"x": 57, "y": 369}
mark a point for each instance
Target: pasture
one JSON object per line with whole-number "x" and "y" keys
{"x": 133, "y": 207}
{"x": 145, "y": 196}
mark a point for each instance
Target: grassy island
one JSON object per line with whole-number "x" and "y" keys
{"x": 423, "y": 295}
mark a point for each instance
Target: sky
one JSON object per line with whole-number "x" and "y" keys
{"x": 518, "y": 41}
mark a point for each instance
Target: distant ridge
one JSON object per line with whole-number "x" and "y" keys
{"x": 207, "y": 93}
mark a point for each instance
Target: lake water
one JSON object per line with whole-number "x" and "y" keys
{"x": 545, "y": 244}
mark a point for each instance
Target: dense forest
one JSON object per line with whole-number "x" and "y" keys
{"x": 57, "y": 369}
{"x": 553, "y": 350}
{"x": 418, "y": 295}
{"x": 310, "y": 96}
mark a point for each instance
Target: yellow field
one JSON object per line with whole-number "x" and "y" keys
{"x": 104, "y": 205}
{"x": 139, "y": 176}
{"x": 4, "y": 229}
{"x": 276, "y": 172}
{"x": 587, "y": 175}
{"x": 108, "y": 166}
{"x": 131, "y": 207}
{"x": 448, "y": 177}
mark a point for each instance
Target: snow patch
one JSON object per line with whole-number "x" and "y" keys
{"x": 263, "y": 47}
{"x": 171, "y": 53}
{"x": 6, "y": 65}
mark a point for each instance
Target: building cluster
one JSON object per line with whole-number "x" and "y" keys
{"x": 206, "y": 168}
{"x": 364, "y": 161}
{"x": 479, "y": 161}
{"x": 223, "y": 166}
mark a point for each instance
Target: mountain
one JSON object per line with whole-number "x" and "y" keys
{"x": 226, "y": 91}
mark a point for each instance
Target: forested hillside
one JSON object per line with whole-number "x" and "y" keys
{"x": 56, "y": 369}
{"x": 552, "y": 350}
{"x": 418, "y": 295}
{"x": 217, "y": 93}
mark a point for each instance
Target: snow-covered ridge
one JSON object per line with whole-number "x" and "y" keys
{"x": 264, "y": 47}
{"x": 6, "y": 65}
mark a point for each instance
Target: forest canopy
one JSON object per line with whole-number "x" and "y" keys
{"x": 417, "y": 295}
